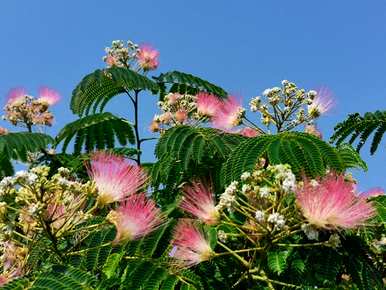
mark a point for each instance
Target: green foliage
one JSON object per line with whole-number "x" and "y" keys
{"x": 360, "y": 128}
{"x": 186, "y": 83}
{"x": 16, "y": 146}
{"x": 305, "y": 153}
{"x": 361, "y": 268}
{"x": 96, "y": 89}
{"x": 185, "y": 151}
{"x": 277, "y": 261}
{"x": 97, "y": 131}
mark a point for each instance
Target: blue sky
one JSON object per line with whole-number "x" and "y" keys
{"x": 243, "y": 46}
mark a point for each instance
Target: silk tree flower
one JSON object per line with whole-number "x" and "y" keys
{"x": 313, "y": 130}
{"x": 207, "y": 104}
{"x": 333, "y": 203}
{"x": 115, "y": 177}
{"x": 147, "y": 57}
{"x": 15, "y": 95}
{"x": 48, "y": 95}
{"x": 373, "y": 192}
{"x": 181, "y": 116}
{"x": 248, "y": 132}
{"x": 229, "y": 114}
{"x": 321, "y": 103}
{"x": 135, "y": 218}
{"x": 190, "y": 246}
{"x": 3, "y": 131}
{"x": 198, "y": 200}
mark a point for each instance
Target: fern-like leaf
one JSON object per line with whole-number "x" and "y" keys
{"x": 97, "y": 88}
{"x": 305, "y": 153}
{"x": 16, "y": 146}
{"x": 182, "y": 147}
{"x": 186, "y": 83}
{"x": 360, "y": 128}
{"x": 98, "y": 131}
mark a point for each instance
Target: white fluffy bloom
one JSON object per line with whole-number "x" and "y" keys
{"x": 276, "y": 219}
{"x": 289, "y": 182}
{"x": 31, "y": 178}
{"x": 310, "y": 232}
{"x": 264, "y": 191}
{"x": 259, "y": 215}
{"x": 245, "y": 175}
{"x": 245, "y": 188}
{"x": 227, "y": 198}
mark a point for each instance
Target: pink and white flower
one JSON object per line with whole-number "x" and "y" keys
{"x": 15, "y": 95}
{"x": 3, "y": 131}
{"x": 229, "y": 114}
{"x": 332, "y": 203}
{"x": 115, "y": 177}
{"x": 147, "y": 57}
{"x": 181, "y": 116}
{"x": 198, "y": 200}
{"x": 373, "y": 192}
{"x": 207, "y": 104}
{"x": 135, "y": 218}
{"x": 321, "y": 104}
{"x": 48, "y": 95}
{"x": 190, "y": 247}
{"x": 313, "y": 130}
{"x": 248, "y": 132}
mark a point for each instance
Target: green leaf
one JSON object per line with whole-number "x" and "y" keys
{"x": 16, "y": 146}
{"x": 186, "y": 83}
{"x": 361, "y": 127}
{"x": 97, "y": 88}
{"x": 97, "y": 131}
{"x": 277, "y": 261}
{"x": 112, "y": 262}
{"x": 305, "y": 153}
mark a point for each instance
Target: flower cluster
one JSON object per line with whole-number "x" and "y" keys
{"x": 39, "y": 204}
{"x": 26, "y": 110}
{"x": 120, "y": 55}
{"x": 177, "y": 109}
{"x": 288, "y": 106}
{"x": 204, "y": 107}
{"x": 118, "y": 180}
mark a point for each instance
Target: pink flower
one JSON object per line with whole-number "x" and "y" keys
{"x": 48, "y": 95}
{"x": 3, "y": 280}
{"x": 135, "y": 218}
{"x": 248, "y": 132}
{"x": 373, "y": 192}
{"x": 321, "y": 104}
{"x": 229, "y": 114}
{"x": 147, "y": 57}
{"x": 207, "y": 104}
{"x": 3, "y": 131}
{"x": 173, "y": 98}
{"x": 114, "y": 177}
{"x": 181, "y": 116}
{"x": 16, "y": 94}
{"x": 332, "y": 203}
{"x": 198, "y": 200}
{"x": 313, "y": 130}
{"x": 55, "y": 213}
{"x": 190, "y": 246}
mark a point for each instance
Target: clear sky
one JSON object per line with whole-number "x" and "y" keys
{"x": 244, "y": 46}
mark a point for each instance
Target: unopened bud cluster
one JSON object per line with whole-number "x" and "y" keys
{"x": 28, "y": 111}
{"x": 288, "y": 106}
{"x": 38, "y": 204}
{"x": 177, "y": 109}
